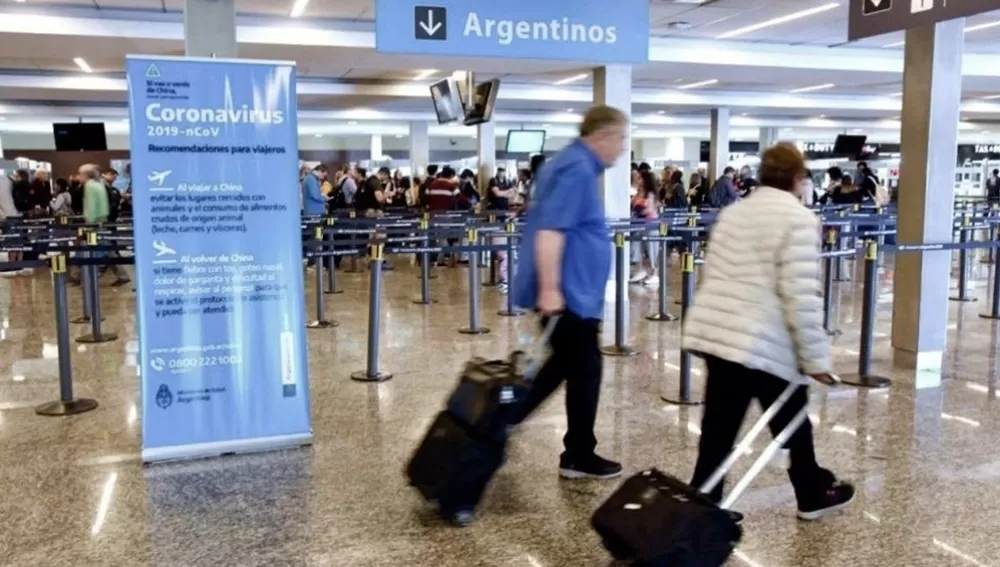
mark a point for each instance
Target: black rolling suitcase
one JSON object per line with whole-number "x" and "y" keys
{"x": 657, "y": 520}
{"x": 465, "y": 444}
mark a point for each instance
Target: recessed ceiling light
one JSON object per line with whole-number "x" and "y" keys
{"x": 897, "y": 94}
{"x": 856, "y": 130}
{"x": 986, "y": 132}
{"x": 992, "y": 97}
{"x": 821, "y": 116}
{"x": 398, "y": 136}
{"x": 985, "y": 26}
{"x": 894, "y": 44}
{"x": 570, "y": 110}
{"x": 813, "y": 88}
{"x": 82, "y": 64}
{"x": 298, "y": 8}
{"x": 661, "y": 111}
{"x": 779, "y": 20}
{"x": 424, "y": 74}
{"x": 894, "y": 118}
{"x": 352, "y": 122}
{"x": 680, "y": 25}
{"x": 743, "y": 114}
{"x": 546, "y": 125}
{"x": 572, "y": 79}
{"x": 699, "y": 84}
{"x": 319, "y": 135}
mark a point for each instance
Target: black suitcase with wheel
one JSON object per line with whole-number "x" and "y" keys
{"x": 656, "y": 520}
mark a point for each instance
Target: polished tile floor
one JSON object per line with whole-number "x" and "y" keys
{"x": 927, "y": 462}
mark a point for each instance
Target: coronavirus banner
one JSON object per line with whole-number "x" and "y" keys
{"x": 218, "y": 248}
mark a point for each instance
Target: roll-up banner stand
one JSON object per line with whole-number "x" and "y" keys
{"x": 218, "y": 252}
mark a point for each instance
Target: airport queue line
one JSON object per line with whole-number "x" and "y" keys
{"x": 851, "y": 233}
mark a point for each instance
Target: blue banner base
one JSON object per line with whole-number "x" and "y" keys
{"x": 218, "y": 448}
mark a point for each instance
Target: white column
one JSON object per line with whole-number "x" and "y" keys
{"x": 210, "y": 28}
{"x": 768, "y": 138}
{"x": 613, "y": 87}
{"x": 420, "y": 148}
{"x": 719, "y": 152}
{"x": 376, "y": 147}
{"x": 486, "y": 140}
{"x": 675, "y": 149}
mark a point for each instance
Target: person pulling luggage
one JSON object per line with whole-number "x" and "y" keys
{"x": 758, "y": 323}
{"x": 564, "y": 268}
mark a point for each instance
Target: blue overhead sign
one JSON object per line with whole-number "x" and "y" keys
{"x": 600, "y": 31}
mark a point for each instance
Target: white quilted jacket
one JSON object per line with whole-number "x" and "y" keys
{"x": 759, "y": 302}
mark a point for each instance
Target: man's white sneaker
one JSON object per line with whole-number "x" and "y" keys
{"x": 638, "y": 276}
{"x": 651, "y": 281}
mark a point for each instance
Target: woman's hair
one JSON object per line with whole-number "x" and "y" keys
{"x": 847, "y": 180}
{"x": 648, "y": 181}
{"x": 466, "y": 174}
{"x": 835, "y": 173}
{"x": 677, "y": 177}
{"x": 62, "y": 185}
{"x": 695, "y": 178}
{"x": 782, "y": 166}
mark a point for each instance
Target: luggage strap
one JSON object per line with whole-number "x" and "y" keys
{"x": 747, "y": 441}
{"x": 536, "y": 352}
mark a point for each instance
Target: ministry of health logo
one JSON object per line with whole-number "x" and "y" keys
{"x": 163, "y": 397}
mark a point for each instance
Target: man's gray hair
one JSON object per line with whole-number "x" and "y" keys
{"x": 90, "y": 171}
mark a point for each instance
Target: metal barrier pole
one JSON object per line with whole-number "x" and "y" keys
{"x": 963, "y": 264}
{"x": 995, "y": 298}
{"x": 472, "y": 238}
{"x": 831, "y": 243}
{"x": 331, "y": 266}
{"x": 687, "y": 297}
{"x": 371, "y": 373}
{"x": 619, "y": 348}
{"x": 663, "y": 315}
{"x": 425, "y": 267}
{"x": 353, "y": 268}
{"x": 881, "y": 226}
{"x": 488, "y": 257}
{"x": 84, "y": 283}
{"x": 67, "y": 404}
{"x": 864, "y": 378}
{"x": 320, "y": 322}
{"x": 96, "y": 335}
{"x": 841, "y": 273}
{"x": 510, "y": 311}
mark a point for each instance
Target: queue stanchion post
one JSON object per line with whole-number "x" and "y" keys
{"x": 97, "y": 335}
{"x": 331, "y": 265}
{"x": 864, "y": 378}
{"x": 619, "y": 348}
{"x": 663, "y": 315}
{"x": 489, "y": 256}
{"x": 85, "y": 282}
{"x": 425, "y": 267}
{"x": 511, "y": 229}
{"x": 828, "y": 263}
{"x": 371, "y": 373}
{"x": 842, "y": 274}
{"x": 995, "y": 296}
{"x": 66, "y": 404}
{"x": 474, "y": 328}
{"x": 353, "y": 268}
{"x": 963, "y": 264}
{"x": 425, "y": 221}
{"x": 320, "y": 322}
{"x": 684, "y": 396}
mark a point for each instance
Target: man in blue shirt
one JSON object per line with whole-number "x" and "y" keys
{"x": 313, "y": 199}
{"x": 565, "y": 262}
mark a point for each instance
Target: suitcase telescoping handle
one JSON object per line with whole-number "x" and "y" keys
{"x": 747, "y": 441}
{"x": 536, "y": 354}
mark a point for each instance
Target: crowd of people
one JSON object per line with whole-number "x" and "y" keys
{"x": 90, "y": 192}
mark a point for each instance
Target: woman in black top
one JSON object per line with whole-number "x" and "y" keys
{"x": 467, "y": 187}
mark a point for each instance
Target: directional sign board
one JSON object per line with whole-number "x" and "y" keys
{"x": 599, "y": 31}
{"x": 877, "y": 17}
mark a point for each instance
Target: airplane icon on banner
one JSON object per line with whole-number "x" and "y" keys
{"x": 159, "y": 177}
{"x": 162, "y": 249}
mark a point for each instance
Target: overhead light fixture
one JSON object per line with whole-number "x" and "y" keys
{"x": 298, "y": 8}
{"x": 856, "y": 130}
{"x": 894, "y": 118}
{"x": 398, "y": 136}
{"x": 319, "y": 135}
{"x": 743, "y": 114}
{"x": 779, "y": 20}
{"x": 897, "y": 94}
{"x": 352, "y": 122}
{"x": 698, "y": 84}
{"x": 992, "y": 97}
{"x": 894, "y": 44}
{"x": 82, "y": 64}
{"x": 570, "y": 110}
{"x": 546, "y": 125}
{"x": 985, "y": 26}
{"x": 821, "y": 116}
{"x": 813, "y": 88}
{"x": 422, "y": 75}
{"x": 572, "y": 79}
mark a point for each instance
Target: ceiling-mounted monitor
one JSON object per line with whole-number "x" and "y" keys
{"x": 444, "y": 94}
{"x": 849, "y": 146}
{"x": 484, "y": 98}
{"x": 80, "y": 137}
{"x": 525, "y": 141}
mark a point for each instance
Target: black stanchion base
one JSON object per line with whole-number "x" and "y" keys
{"x": 615, "y": 350}
{"x": 322, "y": 324}
{"x": 422, "y": 302}
{"x": 514, "y": 313}
{"x": 988, "y": 316}
{"x": 964, "y": 299}
{"x": 471, "y": 331}
{"x": 834, "y": 332}
{"x": 364, "y": 376}
{"x": 102, "y": 338}
{"x": 83, "y": 320}
{"x": 661, "y": 317}
{"x": 876, "y": 382}
{"x": 678, "y": 401}
{"x": 71, "y": 407}
{"x": 333, "y": 291}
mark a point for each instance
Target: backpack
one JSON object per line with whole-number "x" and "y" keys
{"x": 114, "y": 201}
{"x": 881, "y": 193}
{"x": 338, "y": 200}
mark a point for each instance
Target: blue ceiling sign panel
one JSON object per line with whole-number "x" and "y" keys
{"x": 597, "y": 31}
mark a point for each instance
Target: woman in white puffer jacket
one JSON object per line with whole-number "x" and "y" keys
{"x": 757, "y": 321}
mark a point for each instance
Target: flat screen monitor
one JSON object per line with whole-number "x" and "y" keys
{"x": 80, "y": 137}
{"x": 446, "y": 103}
{"x": 849, "y": 146}
{"x": 525, "y": 141}
{"x": 484, "y": 98}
